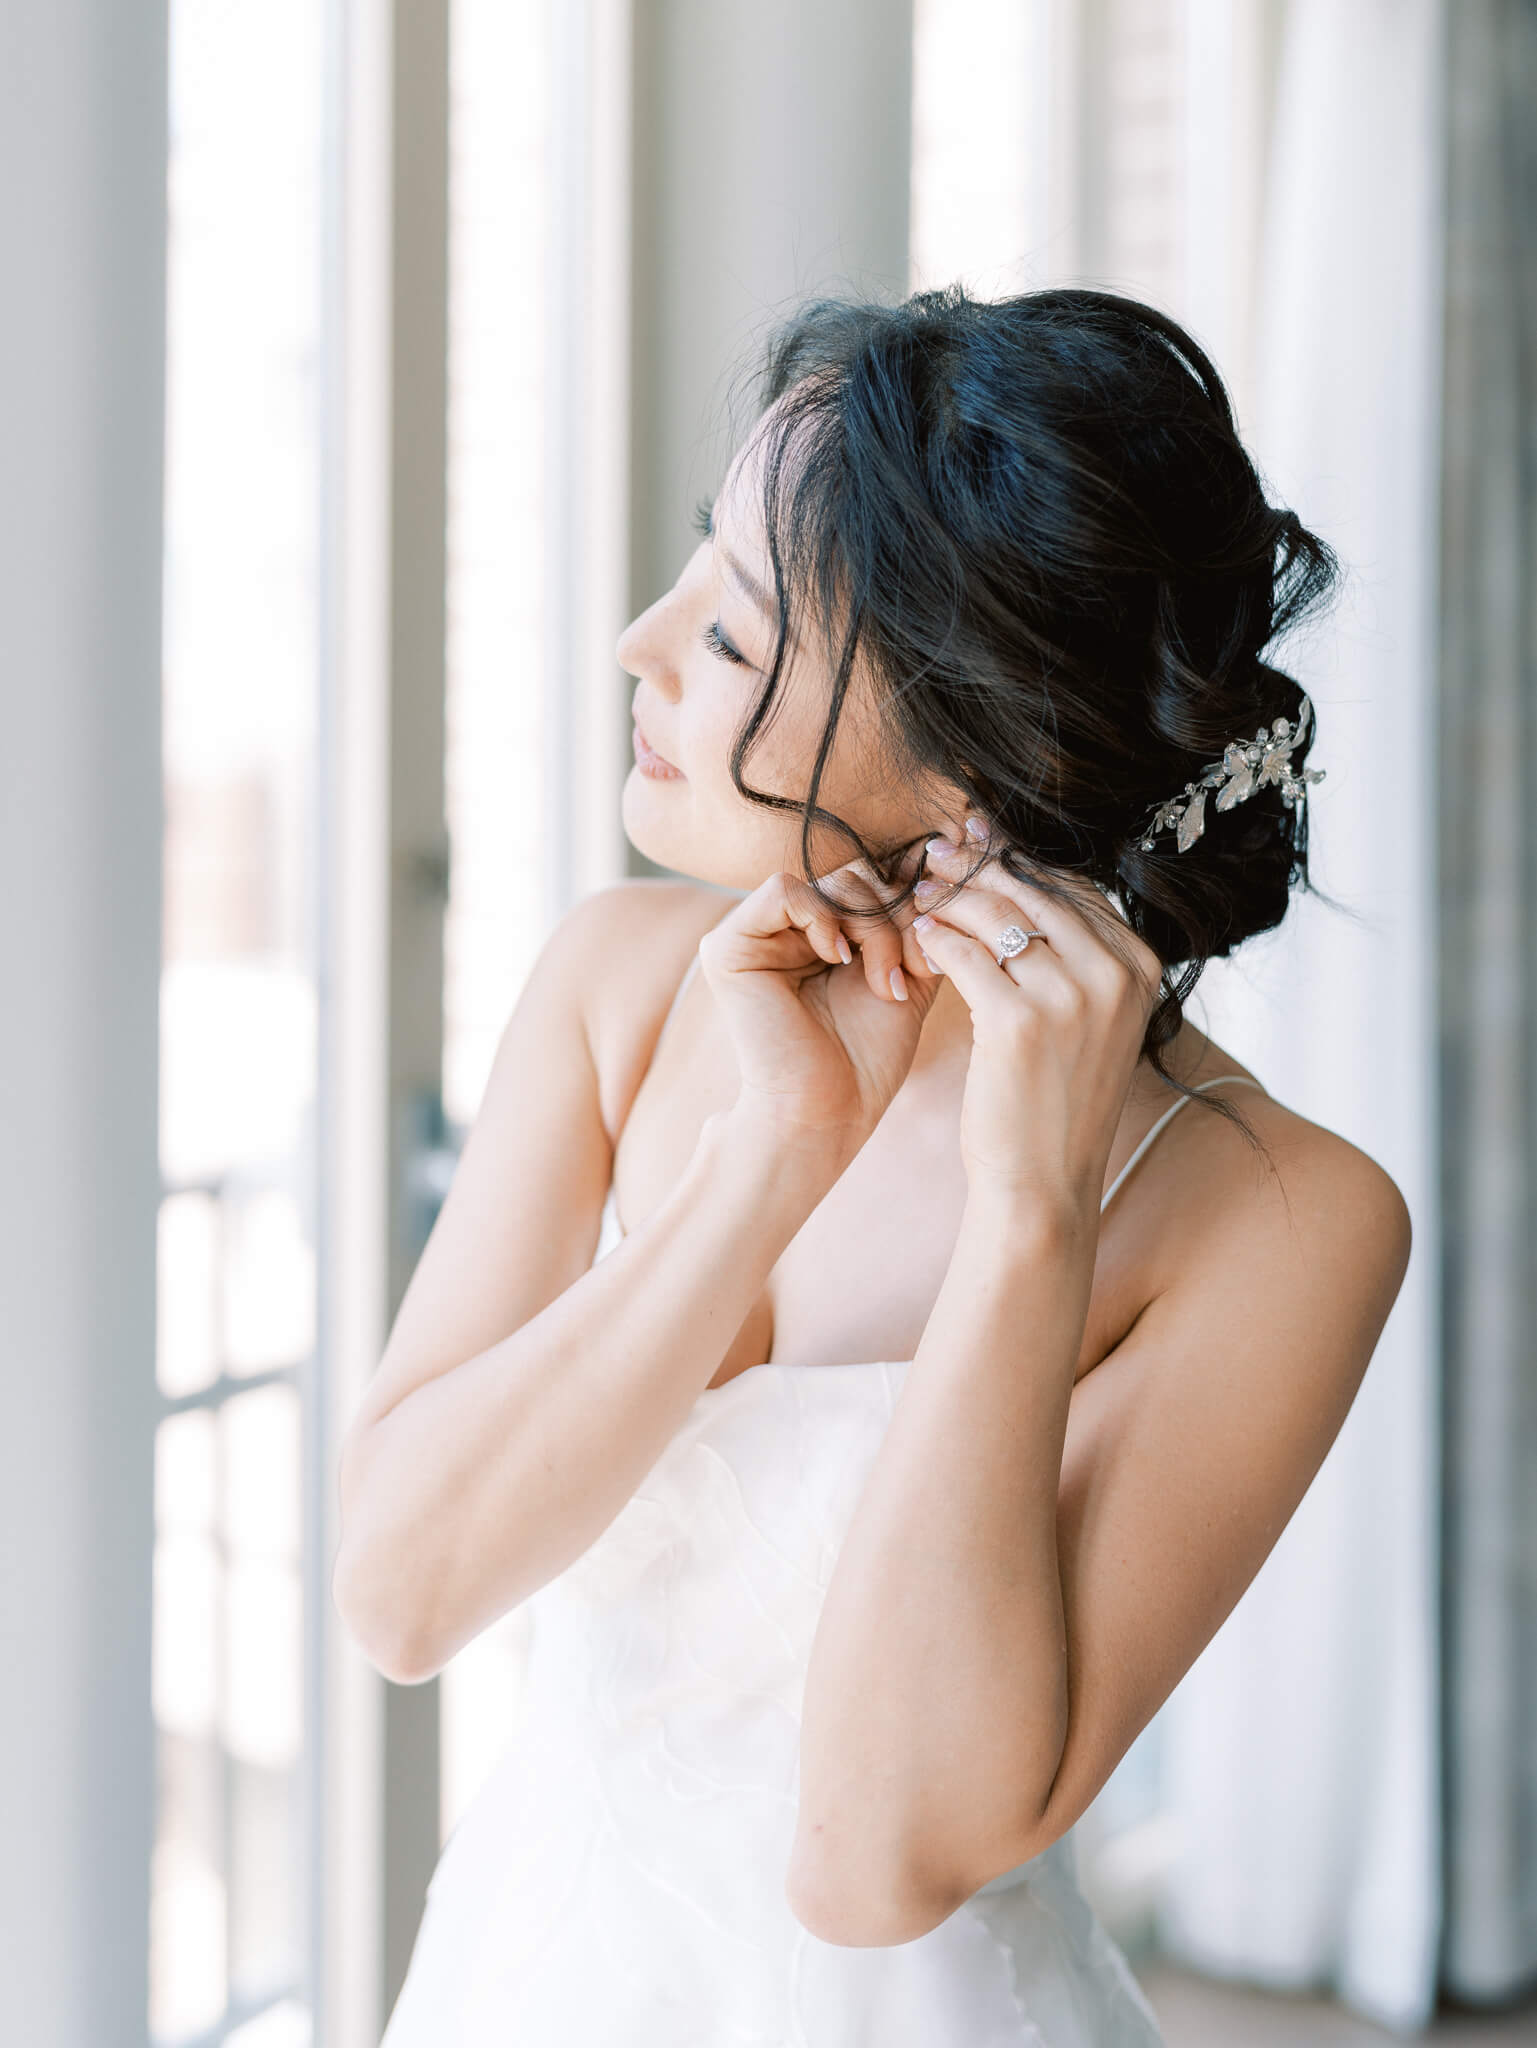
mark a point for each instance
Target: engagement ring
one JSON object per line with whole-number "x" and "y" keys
{"x": 1012, "y": 940}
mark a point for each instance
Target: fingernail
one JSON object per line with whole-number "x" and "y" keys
{"x": 928, "y": 963}
{"x": 926, "y": 891}
{"x": 898, "y": 985}
{"x": 975, "y": 829}
{"x": 922, "y": 924}
{"x": 843, "y": 950}
{"x": 941, "y": 849}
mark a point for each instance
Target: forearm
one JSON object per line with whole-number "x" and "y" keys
{"x": 935, "y": 1707}
{"x": 485, "y": 1482}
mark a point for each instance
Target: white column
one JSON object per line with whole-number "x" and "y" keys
{"x": 83, "y": 175}
{"x": 347, "y": 1935}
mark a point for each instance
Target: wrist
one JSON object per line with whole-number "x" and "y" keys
{"x": 1029, "y": 1217}
{"x": 792, "y": 1156}
{"x": 775, "y": 1156}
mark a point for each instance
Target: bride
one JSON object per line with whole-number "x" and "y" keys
{"x": 871, "y": 1477}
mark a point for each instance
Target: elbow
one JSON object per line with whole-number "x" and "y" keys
{"x": 372, "y": 1604}
{"x": 896, "y": 1897}
{"x": 380, "y": 1626}
{"x": 840, "y": 1911}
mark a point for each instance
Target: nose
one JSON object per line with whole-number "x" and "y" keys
{"x": 643, "y": 648}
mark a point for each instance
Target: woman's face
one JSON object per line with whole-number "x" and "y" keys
{"x": 700, "y": 654}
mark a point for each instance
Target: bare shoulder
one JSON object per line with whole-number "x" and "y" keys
{"x": 1321, "y": 1185}
{"x": 628, "y": 919}
{"x": 1306, "y": 1221}
{"x": 630, "y": 944}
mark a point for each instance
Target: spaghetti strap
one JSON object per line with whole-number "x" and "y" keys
{"x": 1171, "y": 1112}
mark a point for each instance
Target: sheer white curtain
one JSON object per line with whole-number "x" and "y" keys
{"x": 1299, "y": 1754}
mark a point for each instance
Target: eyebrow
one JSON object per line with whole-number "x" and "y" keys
{"x": 705, "y": 521}
{"x": 752, "y": 586}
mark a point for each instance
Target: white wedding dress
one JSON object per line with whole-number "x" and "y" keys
{"x": 618, "y": 1881}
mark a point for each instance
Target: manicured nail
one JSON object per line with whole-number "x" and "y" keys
{"x": 941, "y": 849}
{"x": 843, "y": 950}
{"x": 926, "y": 891}
{"x": 922, "y": 924}
{"x": 975, "y": 829}
{"x": 931, "y": 965}
{"x": 898, "y": 985}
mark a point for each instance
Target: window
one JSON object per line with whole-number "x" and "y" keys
{"x": 498, "y": 789}
{"x": 237, "y": 1585}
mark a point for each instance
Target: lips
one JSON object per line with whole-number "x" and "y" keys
{"x": 649, "y": 761}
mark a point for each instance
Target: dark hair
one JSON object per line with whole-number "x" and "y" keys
{"x": 1035, "y": 518}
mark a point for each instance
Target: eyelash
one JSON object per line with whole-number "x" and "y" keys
{"x": 714, "y": 639}
{"x": 721, "y": 647}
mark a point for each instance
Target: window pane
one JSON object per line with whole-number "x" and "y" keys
{"x": 499, "y": 197}
{"x": 259, "y": 1442}
{"x": 269, "y": 1284}
{"x": 186, "y": 1484}
{"x": 266, "y": 1934}
{"x": 239, "y": 1012}
{"x": 187, "y": 1334}
{"x": 185, "y": 1672}
{"x": 262, "y": 1719}
{"x": 187, "y": 1982}
{"x": 495, "y": 776}
{"x": 979, "y": 72}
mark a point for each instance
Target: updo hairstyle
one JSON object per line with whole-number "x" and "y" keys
{"x": 1034, "y": 520}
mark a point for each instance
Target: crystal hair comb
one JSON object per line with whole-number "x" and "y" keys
{"x": 1246, "y": 765}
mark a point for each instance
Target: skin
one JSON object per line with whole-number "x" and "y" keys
{"x": 1078, "y": 1481}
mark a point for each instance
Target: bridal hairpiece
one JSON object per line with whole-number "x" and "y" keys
{"x": 1246, "y": 765}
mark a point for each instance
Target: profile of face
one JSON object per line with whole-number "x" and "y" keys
{"x": 701, "y": 654}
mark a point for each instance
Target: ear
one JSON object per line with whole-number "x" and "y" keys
{"x": 949, "y": 804}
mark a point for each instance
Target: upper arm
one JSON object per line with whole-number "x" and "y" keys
{"x": 1191, "y": 1445}
{"x": 521, "y": 1218}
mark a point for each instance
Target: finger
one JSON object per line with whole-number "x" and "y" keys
{"x": 979, "y": 872}
{"x": 915, "y": 961}
{"x": 781, "y": 918}
{"x": 880, "y": 941}
{"x": 989, "y": 993}
{"x": 1078, "y": 946}
{"x": 880, "y": 950}
{"x": 876, "y": 897}
{"x": 911, "y": 956}
{"x": 982, "y": 913}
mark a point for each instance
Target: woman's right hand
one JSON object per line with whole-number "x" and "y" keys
{"x": 822, "y": 1038}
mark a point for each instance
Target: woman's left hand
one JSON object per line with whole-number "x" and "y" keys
{"x": 1057, "y": 1030}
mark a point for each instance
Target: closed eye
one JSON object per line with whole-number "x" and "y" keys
{"x": 721, "y": 647}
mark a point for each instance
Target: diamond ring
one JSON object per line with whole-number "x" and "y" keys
{"x": 1012, "y": 940}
